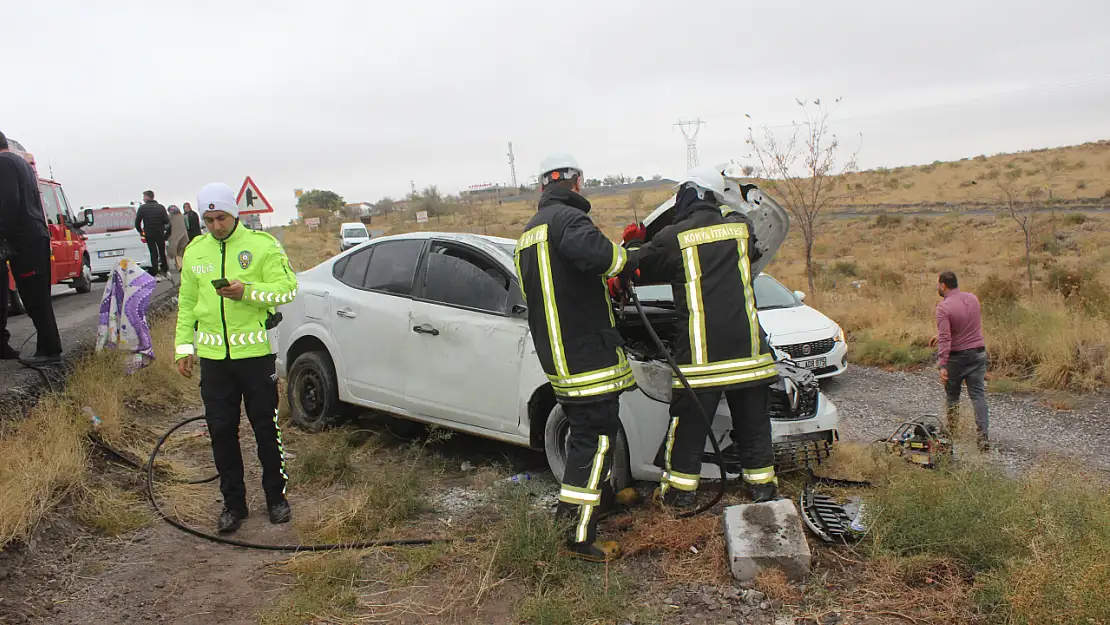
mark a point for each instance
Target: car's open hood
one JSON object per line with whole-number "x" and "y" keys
{"x": 771, "y": 221}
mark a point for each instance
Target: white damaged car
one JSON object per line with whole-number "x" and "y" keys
{"x": 432, "y": 327}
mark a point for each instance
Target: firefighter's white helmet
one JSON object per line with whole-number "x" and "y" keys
{"x": 704, "y": 178}
{"x": 558, "y": 162}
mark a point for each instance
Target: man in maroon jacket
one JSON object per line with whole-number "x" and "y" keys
{"x": 961, "y": 351}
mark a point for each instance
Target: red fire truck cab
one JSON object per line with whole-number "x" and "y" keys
{"x": 69, "y": 259}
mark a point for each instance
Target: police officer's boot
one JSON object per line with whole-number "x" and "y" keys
{"x": 280, "y": 512}
{"x": 231, "y": 519}
{"x": 763, "y": 492}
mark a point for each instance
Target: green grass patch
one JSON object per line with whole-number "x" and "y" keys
{"x": 325, "y": 588}
{"x": 878, "y": 352}
{"x": 1038, "y": 549}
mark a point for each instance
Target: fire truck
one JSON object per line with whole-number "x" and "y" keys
{"x": 69, "y": 258}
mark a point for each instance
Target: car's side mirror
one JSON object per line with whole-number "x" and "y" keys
{"x": 800, "y": 295}
{"x": 520, "y": 310}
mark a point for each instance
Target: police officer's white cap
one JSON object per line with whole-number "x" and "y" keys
{"x": 217, "y": 196}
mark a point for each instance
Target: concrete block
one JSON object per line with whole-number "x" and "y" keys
{"x": 766, "y": 535}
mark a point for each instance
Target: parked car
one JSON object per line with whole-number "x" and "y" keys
{"x": 113, "y": 236}
{"x": 432, "y": 327}
{"x": 795, "y": 331}
{"x": 351, "y": 234}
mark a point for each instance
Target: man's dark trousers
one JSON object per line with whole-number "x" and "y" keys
{"x": 252, "y": 381}
{"x": 158, "y": 262}
{"x": 31, "y": 269}
{"x": 593, "y": 432}
{"x": 970, "y": 367}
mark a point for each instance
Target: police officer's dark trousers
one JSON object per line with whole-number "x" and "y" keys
{"x": 680, "y": 456}
{"x": 224, "y": 384}
{"x": 586, "y": 488}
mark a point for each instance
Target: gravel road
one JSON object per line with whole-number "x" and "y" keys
{"x": 1025, "y": 429}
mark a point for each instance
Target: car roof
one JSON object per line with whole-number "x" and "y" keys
{"x": 352, "y": 223}
{"x": 461, "y": 237}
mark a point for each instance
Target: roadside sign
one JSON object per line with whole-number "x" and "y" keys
{"x": 297, "y": 193}
{"x": 251, "y": 200}
{"x": 312, "y": 223}
{"x": 422, "y": 217}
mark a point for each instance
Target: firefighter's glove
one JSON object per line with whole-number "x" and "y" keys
{"x": 634, "y": 235}
{"x": 619, "y": 284}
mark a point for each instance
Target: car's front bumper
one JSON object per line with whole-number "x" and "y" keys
{"x": 835, "y": 361}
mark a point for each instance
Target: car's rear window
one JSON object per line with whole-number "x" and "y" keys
{"x": 355, "y": 232}
{"x": 111, "y": 220}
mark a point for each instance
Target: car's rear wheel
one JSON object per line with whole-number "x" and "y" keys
{"x": 83, "y": 282}
{"x": 556, "y": 437}
{"x": 314, "y": 392}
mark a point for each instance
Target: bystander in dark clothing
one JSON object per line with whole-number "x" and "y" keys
{"x": 192, "y": 222}
{"x": 962, "y": 353}
{"x": 153, "y": 222}
{"x": 25, "y": 240}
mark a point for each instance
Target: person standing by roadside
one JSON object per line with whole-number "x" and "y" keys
{"x": 153, "y": 223}
{"x": 233, "y": 278}
{"x": 25, "y": 244}
{"x": 192, "y": 221}
{"x": 962, "y": 353}
{"x": 179, "y": 237}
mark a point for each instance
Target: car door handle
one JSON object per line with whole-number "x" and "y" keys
{"x": 346, "y": 312}
{"x": 425, "y": 329}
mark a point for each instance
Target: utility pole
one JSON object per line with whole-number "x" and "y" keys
{"x": 412, "y": 185}
{"x": 690, "y": 130}
{"x": 512, "y": 163}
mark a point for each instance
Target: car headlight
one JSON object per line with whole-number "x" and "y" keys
{"x": 839, "y": 338}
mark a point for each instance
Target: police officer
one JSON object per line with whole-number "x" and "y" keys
{"x": 231, "y": 280}
{"x": 562, "y": 261}
{"x": 720, "y": 347}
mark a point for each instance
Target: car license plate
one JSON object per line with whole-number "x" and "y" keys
{"x": 109, "y": 253}
{"x": 816, "y": 363}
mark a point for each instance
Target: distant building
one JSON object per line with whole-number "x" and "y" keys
{"x": 361, "y": 209}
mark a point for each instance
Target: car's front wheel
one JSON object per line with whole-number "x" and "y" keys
{"x": 314, "y": 392}
{"x": 83, "y": 282}
{"x": 556, "y": 437}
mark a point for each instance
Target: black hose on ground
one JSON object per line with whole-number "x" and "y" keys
{"x": 718, "y": 456}
{"x": 247, "y": 544}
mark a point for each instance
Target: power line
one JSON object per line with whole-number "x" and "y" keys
{"x": 690, "y": 131}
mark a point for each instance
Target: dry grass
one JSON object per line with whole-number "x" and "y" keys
{"x": 111, "y": 510}
{"x": 43, "y": 457}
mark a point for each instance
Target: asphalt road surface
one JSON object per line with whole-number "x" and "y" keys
{"x": 77, "y": 319}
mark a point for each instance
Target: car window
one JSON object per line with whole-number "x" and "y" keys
{"x": 120, "y": 219}
{"x": 769, "y": 294}
{"x": 63, "y": 203}
{"x": 459, "y": 277}
{"x": 393, "y": 266}
{"x": 49, "y": 203}
{"x": 354, "y": 232}
{"x": 351, "y": 270}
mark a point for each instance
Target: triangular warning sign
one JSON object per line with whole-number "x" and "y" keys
{"x": 250, "y": 200}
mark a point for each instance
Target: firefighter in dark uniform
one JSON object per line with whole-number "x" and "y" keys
{"x": 563, "y": 261}
{"x": 719, "y": 345}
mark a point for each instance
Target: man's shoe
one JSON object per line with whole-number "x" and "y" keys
{"x": 597, "y": 551}
{"x": 8, "y": 352}
{"x": 280, "y": 513}
{"x": 230, "y": 520}
{"x": 41, "y": 360}
{"x": 761, "y": 493}
{"x": 984, "y": 444}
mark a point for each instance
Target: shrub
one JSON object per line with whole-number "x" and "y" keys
{"x": 1075, "y": 219}
{"x": 845, "y": 268}
{"x": 885, "y": 277}
{"x": 892, "y": 183}
{"x": 877, "y": 352}
{"x": 1082, "y": 184}
{"x": 1106, "y": 194}
{"x": 886, "y": 221}
{"x": 998, "y": 294}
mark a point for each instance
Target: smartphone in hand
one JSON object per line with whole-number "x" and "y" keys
{"x": 221, "y": 283}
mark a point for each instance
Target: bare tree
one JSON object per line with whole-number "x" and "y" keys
{"x": 1010, "y": 192}
{"x": 801, "y": 169}
{"x": 1052, "y": 168}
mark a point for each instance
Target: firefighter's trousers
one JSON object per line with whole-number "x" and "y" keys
{"x": 586, "y": 488}
{"x": 681, "y": 452}
{"x": 224, "y": 384}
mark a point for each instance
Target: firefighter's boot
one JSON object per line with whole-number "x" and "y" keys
{"x": 678, "y": 500}
{"x": 761, "y": 493}
{"x": 230, "y": 520}
{"x": 597, "y": 551}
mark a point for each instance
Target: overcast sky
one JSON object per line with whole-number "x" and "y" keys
{"x": 362, "y": 97}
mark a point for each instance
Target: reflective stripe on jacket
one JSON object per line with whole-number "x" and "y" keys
{"x": 562, "y": 261}
{"x": 216, "y": 327}
{"x": 707, "y": 259}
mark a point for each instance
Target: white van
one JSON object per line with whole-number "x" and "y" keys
{"x": 113, "y": 236}
{"x": 351, "y": 234}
